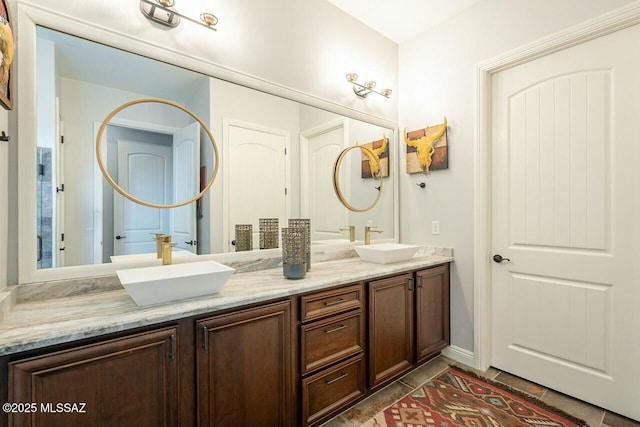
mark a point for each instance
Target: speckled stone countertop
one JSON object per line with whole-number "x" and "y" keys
{"x": 37, "y": 324}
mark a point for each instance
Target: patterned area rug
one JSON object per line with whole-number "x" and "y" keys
{"x": 457, "y": 398}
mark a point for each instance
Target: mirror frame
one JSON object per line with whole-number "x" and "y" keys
{"x": 118, "y": 188}
{"x": 27, "y": 17}
{"x": 336, "y": 178}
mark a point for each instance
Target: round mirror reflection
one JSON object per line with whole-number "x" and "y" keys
{"x": 157, "y": 153}
{"x": 358, "y": 178}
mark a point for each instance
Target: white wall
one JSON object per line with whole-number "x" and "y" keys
{"x": 46, "y": 86}
{"x": 436, "y": 79}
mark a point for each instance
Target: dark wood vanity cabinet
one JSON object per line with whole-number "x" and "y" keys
{"x": 432, "y": 311}
{"x": 243, "y": 368}
{"x": 390, "y": 328}
{"x": 130, "y": 381}
{"x": 407, "y": 312}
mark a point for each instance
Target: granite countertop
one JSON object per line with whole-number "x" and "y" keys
{"x": 37, "y": 324}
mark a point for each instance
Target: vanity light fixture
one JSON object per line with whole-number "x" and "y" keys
{"x": 163, "y": 12}
{"x": 363, "y": 90}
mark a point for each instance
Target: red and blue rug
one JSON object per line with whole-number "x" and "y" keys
{"x": 460, "y": 399}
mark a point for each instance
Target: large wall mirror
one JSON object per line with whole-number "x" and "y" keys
{"x": 277, "y": 154}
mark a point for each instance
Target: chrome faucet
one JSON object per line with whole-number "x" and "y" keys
{"x": 367, "y": 234}
{"x": 352, "y": 232}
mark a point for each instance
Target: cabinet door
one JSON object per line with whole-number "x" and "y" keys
{"x": 432, "y": 311}
{"x": 390, "y": 328}
{"x": 244, "y": 368}
{"x": 129, "y": 381}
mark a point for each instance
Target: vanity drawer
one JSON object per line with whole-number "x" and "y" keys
{"x": 328, "y": 341}
{"x": 330, "y": 302}
{"x": 332, "y": 389}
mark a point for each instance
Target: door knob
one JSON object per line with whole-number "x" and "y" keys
{"x": 120, "y": 237}
{"x": 191, "y": 242}
{"x": 498, "y": 258}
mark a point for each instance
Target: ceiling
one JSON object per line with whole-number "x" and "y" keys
{"x": 401, "y": 20}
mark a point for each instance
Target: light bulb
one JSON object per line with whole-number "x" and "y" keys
{"x": 207, "y": 15}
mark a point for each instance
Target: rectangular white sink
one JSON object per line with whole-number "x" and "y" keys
{"x": 166, "y": 283}
{"x": 386, "y": 253}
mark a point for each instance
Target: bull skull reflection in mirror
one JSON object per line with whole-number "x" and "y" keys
{"x": 374, "y": 157}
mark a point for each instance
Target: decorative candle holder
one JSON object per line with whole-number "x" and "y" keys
{"x": 306, "y": 224}
{"x": 293, "y": 256}
{"x": 244, "y": 237}
{"x": 269, "y": 233}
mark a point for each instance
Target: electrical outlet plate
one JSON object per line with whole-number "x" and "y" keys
{"x": 435, "y": 227}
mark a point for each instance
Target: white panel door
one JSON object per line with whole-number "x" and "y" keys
{"x": 565, "y": 212}
{"x": 145, "y": 172}
{"x": 186, "y": 175}
{"x": 318, "y": 199}
{"x": 257, "y": 177}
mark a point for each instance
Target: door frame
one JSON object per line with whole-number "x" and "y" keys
{"x": 226, "y": 124}
{"x": 607, "y": 23}
{"x": 97, "y": 173}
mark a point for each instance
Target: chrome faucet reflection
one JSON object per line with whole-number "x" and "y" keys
{"x": 367, "y": 234}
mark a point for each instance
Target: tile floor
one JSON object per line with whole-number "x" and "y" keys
{"x": 363, "y": 411}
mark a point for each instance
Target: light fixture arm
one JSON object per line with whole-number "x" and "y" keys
{"x": 363, "y": 90}
{"x": 156, "y": 12}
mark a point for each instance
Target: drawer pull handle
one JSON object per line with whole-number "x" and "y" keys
{"x": 336, "y": 379}
{"x": 329, "y": 331}
{"x": 328, "y": 304}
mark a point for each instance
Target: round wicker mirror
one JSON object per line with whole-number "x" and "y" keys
{"x": 125, "y": 193}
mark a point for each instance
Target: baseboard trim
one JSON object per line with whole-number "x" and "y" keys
{"x": 461, "y": 355}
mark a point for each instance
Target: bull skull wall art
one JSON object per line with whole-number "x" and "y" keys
{"x": 373, "y": 165}
{"x": 427, "y": 149}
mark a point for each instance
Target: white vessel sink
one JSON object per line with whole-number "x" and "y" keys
{"x": 386, "y": 253}
{"x": 179, "y": 253}
{"x": 166, "y": 283}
